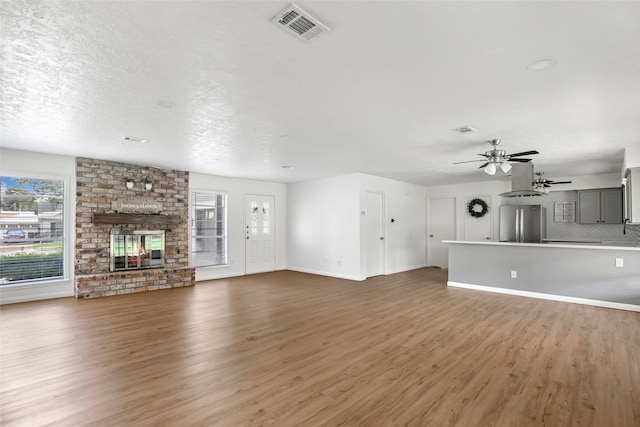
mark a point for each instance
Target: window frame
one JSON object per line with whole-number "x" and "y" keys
{"x": 193, "y": 227}
{"x": 44, "y": 166}
{"x": 63, "y": 237}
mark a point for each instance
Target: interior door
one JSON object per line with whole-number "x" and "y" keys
{"x": 260, "y": 234}
{"x": 477, "y": 229}
{"x": 374, "y": 226}
{"x": 441, "y": 226}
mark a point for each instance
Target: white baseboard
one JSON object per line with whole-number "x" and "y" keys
{"x": 324, "y": 273}
{"x": 562, "y": 298}
{"x": 409, "y": 268}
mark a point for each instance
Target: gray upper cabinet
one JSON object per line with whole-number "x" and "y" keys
{"x": 600, "y": 206}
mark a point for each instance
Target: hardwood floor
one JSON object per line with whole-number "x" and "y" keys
{"x": 292, "y": 349}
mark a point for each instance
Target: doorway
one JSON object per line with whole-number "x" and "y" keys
{"x": 477, "y": 229}
{"x": 374, "y": 226}
{"x": 259, "y": 233}
{"x": 441, "y": 225}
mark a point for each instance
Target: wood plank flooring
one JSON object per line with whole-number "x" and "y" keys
{"x": 293, "y": 349}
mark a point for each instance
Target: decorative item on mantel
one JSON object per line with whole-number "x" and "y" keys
{"x": 477, "y": 208}
{"x": 135, "y": 211}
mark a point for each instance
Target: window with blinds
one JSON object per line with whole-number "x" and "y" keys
{"x": 208, "y": 229}
{"x": 31, "y": 229}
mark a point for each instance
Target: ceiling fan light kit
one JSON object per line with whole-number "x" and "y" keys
{"x": 505, "y": 166}
{"x": 490, "y": 169}
{"x": 495, "y": 157}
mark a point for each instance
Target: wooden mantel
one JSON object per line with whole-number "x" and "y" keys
{"x": 130, "y": 218}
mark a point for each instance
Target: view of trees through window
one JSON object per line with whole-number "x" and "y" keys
{"x": 31, "y": 229}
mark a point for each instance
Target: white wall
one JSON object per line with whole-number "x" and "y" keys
{"x": 631, "y": 158}
{"x": 405, "y": 238}
{"x": 236, "y": 190}
{"x": 324, "y": 227}
{"x": 587, "y": 182}
{"x": 48, "y": 166}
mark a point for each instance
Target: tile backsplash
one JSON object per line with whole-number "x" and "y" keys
{"x": 574, "y": 230}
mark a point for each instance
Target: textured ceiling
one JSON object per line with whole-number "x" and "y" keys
{"x": 379, "y": 94}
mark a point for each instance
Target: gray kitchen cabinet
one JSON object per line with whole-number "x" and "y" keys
{"x": 600, "y": 206}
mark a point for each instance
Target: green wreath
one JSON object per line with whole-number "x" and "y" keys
{"x": 471, "y": 208}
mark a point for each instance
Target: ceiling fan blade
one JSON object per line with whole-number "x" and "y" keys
{"x": 483, "y": 165}
{"x": 519, "y": 160}
{"x": 469, "y": 161}
{"x": 559, "y": 182}
{"x": 547, "y": 184}
{"x": 524, "y": 153}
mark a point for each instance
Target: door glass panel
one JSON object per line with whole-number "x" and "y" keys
{"x": 266, "y": 219}
{"x": 253, "y": 226}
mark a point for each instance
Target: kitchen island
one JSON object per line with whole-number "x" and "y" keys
{"x": 600, "y": 274}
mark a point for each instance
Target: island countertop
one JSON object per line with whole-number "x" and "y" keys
{"x": 630, "y": 246}
{"x": 596, "y": 273}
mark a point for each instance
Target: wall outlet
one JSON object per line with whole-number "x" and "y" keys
{"x": 619, "y": 262}
{"x": 514, "y": 274}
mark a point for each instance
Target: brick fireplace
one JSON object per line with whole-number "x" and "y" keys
{"x": 106, "y": 204}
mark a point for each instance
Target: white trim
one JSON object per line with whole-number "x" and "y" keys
{"x": 24, "y": 292}
{"x": 209, "y": 275}
{"x": 324, "y": 273}
{"x": 539, "y": 295}
{"x": 409, "y": 268}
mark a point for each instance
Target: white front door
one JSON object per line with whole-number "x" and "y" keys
{"x": 441, "y": 226}
{"x": 477, "y": 229}
{"x": 259, "y": 234}
{"x": 374, "y": 226}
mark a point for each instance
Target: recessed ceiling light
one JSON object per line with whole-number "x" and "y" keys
{"x": 288, "y": 167}
{"x": 134, "y": 139}
{"x": 543, "y": 64}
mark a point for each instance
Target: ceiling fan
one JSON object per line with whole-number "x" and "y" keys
{"x": 495, "y": 157}
{"x": 543, "y": 184}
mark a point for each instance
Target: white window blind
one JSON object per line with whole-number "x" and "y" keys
{"x": 208, "y": 229}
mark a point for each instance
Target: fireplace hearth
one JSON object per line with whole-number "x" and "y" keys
{"x": 135, "y": 250}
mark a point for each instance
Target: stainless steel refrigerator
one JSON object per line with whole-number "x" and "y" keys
{"x": 522, "y": 223}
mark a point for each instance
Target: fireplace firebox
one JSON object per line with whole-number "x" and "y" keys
{"x": 134, "y": 250}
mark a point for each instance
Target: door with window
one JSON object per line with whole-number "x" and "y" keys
{"x": 259, "y": 233}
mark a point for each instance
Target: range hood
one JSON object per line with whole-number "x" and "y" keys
{"x": 522, "y": 181}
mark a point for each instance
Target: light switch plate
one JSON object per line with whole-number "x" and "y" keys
{"x": 619, "y": 262}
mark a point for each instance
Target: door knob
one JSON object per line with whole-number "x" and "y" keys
{"x": 430, "y": 235}
{"x": 382, "y": 238}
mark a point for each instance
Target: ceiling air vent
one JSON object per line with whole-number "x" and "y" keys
{"x": 299, "y": 23}
{"x": 464, "y": 129}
